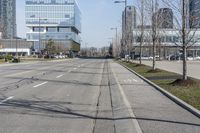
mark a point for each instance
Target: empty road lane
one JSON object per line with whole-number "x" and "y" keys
{"x": 85, "y": 96}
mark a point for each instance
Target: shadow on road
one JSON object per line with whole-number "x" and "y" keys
{"x": 59, "y": 109}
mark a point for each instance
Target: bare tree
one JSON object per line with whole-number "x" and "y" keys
{"x": 152, "y": 10}
{"x": 183, "y": 23}
{"x": 140, "y": 37}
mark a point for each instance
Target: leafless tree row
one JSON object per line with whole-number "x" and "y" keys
{"x": 148, "y": 11}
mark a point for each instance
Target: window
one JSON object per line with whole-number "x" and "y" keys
{"x": 51, "y": 29}
{"x": 64, "y": 29}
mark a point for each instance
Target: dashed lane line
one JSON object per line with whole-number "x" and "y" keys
{"x": 5, "y": 100}
{"x": 60, "y": 76}
{"x": 40, "y": 84}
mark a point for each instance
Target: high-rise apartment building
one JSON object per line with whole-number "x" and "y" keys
{"x": 129, "y": 19}
{"x": 8, "y": 18}
{"x": 59, "y": 20}
{"x": 194, "y": 6}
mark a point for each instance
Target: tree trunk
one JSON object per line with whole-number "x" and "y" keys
{"x": 141, "y": 52}
{"x": 184, "y": 47}
{"x": 184, "y": 63}
{"x": 142, "y": 30}
{"x": 154, "y": 55}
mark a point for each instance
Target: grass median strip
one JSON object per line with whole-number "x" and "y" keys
{"x": 189, "y": 93}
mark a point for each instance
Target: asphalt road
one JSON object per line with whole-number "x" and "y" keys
{"x": 85, "y": 96}
{"x": 177, "y": 67}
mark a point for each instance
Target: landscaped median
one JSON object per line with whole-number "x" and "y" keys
{"x": 188, "y": 92}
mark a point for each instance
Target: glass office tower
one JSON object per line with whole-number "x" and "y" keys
{"x": 8, "y": 18}
{"x": 59, "y": 20}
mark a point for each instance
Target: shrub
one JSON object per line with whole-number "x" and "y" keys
{"x": 16, "y": 60}
{"x": 8, "y": 57}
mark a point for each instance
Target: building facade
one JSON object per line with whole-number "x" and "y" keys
{"x": 169, "y": 43}
{"x": 194, "y": 10}
{"x": 18, "y": 46}
{"x": 128, "y": 24}
{"x": 8, "y": 18}
{"x": 53, "y": 19}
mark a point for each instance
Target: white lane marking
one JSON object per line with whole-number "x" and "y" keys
{"x": 75, "y": 68}
{"x": 40, "y": 84}
{"x": 129, "y": 80}
{"x": 60, "y": 76}
{"x": 134, "y": 80}
{"x": 69, "y": 71}
{"x": 128, "y": 105}
{"x": 5, "y": 100}
{"x": 79, "y": 66}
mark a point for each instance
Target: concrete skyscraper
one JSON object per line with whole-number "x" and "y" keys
{"x": 8, "y": 18}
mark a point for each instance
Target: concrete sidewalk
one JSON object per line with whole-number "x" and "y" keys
{"x": 176, "y": 67}
{"x": 154, "y": 111}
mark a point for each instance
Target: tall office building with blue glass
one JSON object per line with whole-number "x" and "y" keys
{"x": 59, "y": 20}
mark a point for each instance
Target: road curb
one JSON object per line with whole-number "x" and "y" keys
{"x": 167, "y": 94}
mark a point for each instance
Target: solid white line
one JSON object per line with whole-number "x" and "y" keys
{"x": 5, "y": 100}
{"x": 60, "y": 76}
{"x": 128, "y": 105}
{"x": 40, "y": 84}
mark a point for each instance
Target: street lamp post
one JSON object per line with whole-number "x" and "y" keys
{"x": 125, "y": 4}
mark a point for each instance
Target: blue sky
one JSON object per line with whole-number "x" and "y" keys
{"x": 98, "y": 16}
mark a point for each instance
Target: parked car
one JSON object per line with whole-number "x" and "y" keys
{"x": 197, "y": 58}
{"x": 127, "y": 57}
{"x": 175, "y": 57}
{"x": 190, "y": 58}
